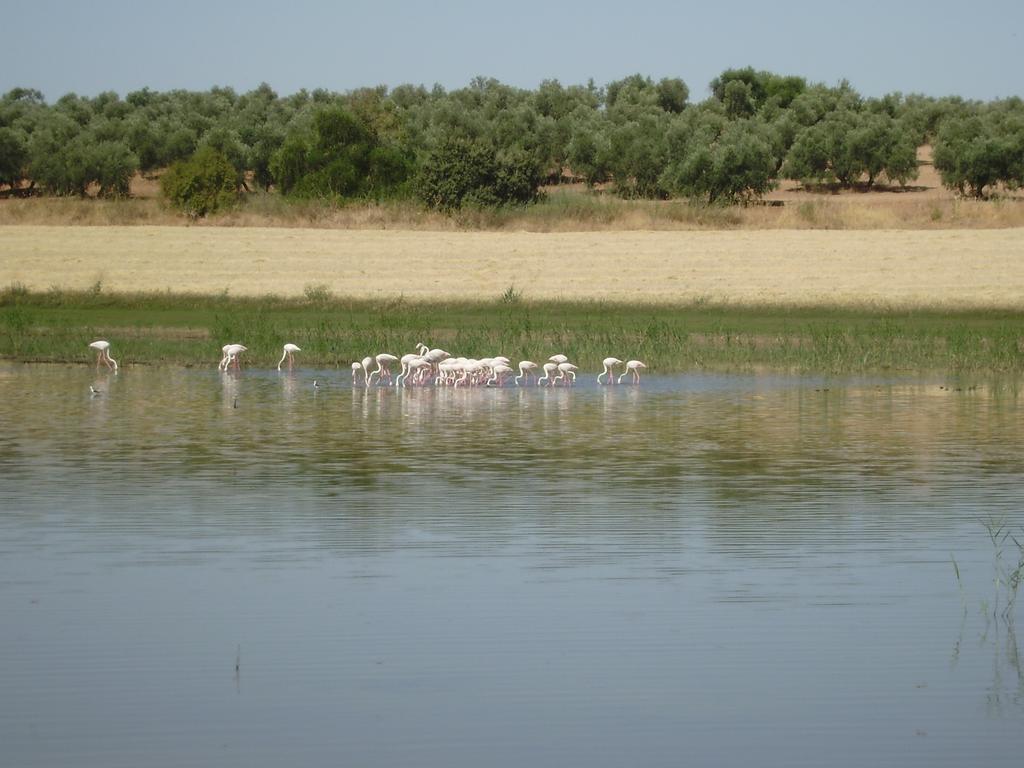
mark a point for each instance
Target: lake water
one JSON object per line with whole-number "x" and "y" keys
{"x": 702, "y": 570}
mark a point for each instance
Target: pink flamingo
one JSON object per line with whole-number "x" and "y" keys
{"x": 103, "y": 354}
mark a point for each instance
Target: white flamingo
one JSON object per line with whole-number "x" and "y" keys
{"x": 633, "y": 366}
{"x": 103, "y": 354}
{"x": 289, "y": 350}
{"x": 231, "y": 353}
{"x": 412, "y": 369}
{"x": 549, "y": 368}
{"x": 526, "y": 369}
{"x": 498, "y": 374}
{"x": 557, "y": 359}
{"x": 608, "y": 363}
{"x": 384, "y": 360}
{"x": 566, "y": 370}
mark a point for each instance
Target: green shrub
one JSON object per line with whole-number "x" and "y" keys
{"x": 461, "y": 173}
{"x": 201, "y": 185}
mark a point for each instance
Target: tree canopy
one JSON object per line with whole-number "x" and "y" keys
{"x": 642, "y": 137}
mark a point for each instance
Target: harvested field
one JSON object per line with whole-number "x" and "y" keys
{"x": 936, "y": 268}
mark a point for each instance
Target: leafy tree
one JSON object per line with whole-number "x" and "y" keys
{"x": 738, "y": 98}
{"x": 111, "y": 165}
{"x": 204, "y": 184}
{"x": 880, "y": 144}
{"x": 761, "y": 87}
{"x": 13, "y": 157}
{"x": 978, "y": 151}
{"x": 672, "y": 94}
{"x": 228, "y": 143}
{"x": 720, "y": 161}
{"x": 290, "y": 163}
{"x": 342, "y": 157}
{"x": 588, "y": 152}
{"x": 636, "y": 156}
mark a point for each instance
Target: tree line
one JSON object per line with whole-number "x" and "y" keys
{"x": 493, "y": 144}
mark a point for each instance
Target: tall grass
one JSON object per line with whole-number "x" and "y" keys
{"x": 57, "y": 325}
{"x": 562, "y": 209}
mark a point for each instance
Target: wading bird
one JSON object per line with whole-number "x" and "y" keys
{"x": 566, "y": 373}
{"x": 549, "y": 368}
{"x": 289, "y": 350}
{"x": 608, "y": 363}
{"x": 103, "y": 354}
{"x": 526, "y": 369}
{"x": 231, "y": 353}
{"x": 633, "y": 366}
{"x": 384, "y": 360}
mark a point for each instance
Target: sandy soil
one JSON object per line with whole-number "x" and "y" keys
{"x": 935, "y": 268}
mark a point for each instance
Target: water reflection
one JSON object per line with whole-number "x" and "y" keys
{"x": 622, "y": 573}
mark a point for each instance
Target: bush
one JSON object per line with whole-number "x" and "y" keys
{"x": 202, "y": 185}
{"x": 460, "y": 172}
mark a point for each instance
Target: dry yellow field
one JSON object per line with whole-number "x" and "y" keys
{"x": 954, "y": 268}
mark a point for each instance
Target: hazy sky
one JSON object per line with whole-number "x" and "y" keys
{"x": 972, "y": 49}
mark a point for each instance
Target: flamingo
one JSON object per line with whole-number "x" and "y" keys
{"x": 526, "y": 367}
{"x": 633, "y": 366}
{"x": 367, "y": 362}
{"x": 608, "y": 363}
{"x": 384, "y": 360}
{"x": 558, "y": 359}
{"x": 565, "y": 369}
{"x": 471, "y": 369}
{"x": 356, "y": 368}
{"x": 231, "y": 353}
{"x": 549, "y": 368}
{"x": 289, "y": 350}
{"x": 411, "y": 368}
{"x": 498, "y": 373}
{"x": 103, "y": 354}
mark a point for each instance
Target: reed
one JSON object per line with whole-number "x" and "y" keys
{"x": 183, "y": 329}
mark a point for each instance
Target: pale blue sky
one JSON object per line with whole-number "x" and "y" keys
{"x": 972, "y": 49}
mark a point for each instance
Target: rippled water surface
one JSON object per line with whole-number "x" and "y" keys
{"x": 703, "y": 570}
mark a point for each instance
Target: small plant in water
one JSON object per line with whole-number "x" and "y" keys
{"x": 1007, "y": 574}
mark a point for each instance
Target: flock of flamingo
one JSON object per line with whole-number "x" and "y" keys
{"x": 427, "y": 366}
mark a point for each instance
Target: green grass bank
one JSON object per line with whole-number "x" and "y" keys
{"x": 187, "y": 330}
